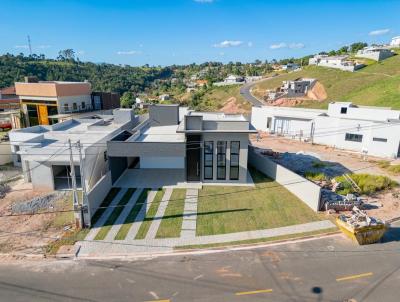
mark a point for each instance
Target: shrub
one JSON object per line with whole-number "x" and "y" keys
{"x": 315, "y": 176}
{"x": 368, "y": 183}
{"x": 320, "y": 164}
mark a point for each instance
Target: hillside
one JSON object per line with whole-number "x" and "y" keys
{"x": 375, "y": 85}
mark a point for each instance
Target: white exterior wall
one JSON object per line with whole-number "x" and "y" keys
{"x": 74, "y": 99}
{"x": 365, "y": 113}
{"x": 160, "y": 162}
{"x": 375, "y": 55}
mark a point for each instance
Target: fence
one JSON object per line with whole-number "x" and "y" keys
{"x": 305, "y": 190}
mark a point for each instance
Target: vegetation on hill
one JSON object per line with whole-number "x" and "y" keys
{"x": 375, "y": 85}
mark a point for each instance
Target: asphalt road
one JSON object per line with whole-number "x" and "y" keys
{"x": 245, "y": 92}
{"x": 329, "y": 269}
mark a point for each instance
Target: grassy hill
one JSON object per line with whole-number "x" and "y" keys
{"x": 375, "y": 85}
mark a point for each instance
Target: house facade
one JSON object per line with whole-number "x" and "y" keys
{"x": 375, "y": 53}
{"x": 338, "y": 62}
{"x": 193, "y": 146}
{"x": 368, "y": 130}
{"x": 44, "y": 154}
{"x": 395, "y": 42}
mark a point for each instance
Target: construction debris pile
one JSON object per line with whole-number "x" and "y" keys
{"x": 336, "y": 202}
{"x": 359, "y": 219}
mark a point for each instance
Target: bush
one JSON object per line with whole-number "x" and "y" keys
{"x": 315, "y": 176}
{"x": 368, "y": 183}
{"x": 320, "y": 164}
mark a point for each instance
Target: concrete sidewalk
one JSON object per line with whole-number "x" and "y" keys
{"x": 132, "y": 247}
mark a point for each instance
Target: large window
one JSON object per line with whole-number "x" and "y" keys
{"x": 380, "y": 139}
{"x": 208, "y": 160}
{"x": 234, "y": 166}
{"x": 353, "y": 137}
{"x": 221, "y": 160}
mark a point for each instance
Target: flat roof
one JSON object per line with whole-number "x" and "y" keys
{"x": 218, "y": 116}
{"x": 164, "y": 134}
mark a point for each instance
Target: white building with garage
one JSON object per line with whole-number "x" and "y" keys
{"x": 370, "y": 130}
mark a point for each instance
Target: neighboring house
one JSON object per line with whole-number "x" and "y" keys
{"x": 164, "y": 97}
{"x": 8, "y": 99}
{"x": 186, "y": 145}
{"x": 395, "y": 42}
{"x": 48, "y": 102}
{"x": 231, "y": 80}
{"x": 369, "y": 130}
{"x": 44, "y": 154}
{"x": 375, "y": 53}
{"x": 338, "y": 62}
{"x": 250, "y": 79}
{"x": 290, "y": 66}
{"x": 291, "y": 89}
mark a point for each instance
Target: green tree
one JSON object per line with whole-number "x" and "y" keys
{"x": 357, "y": 46}
{"x": 127, "y": 99}
{"x": 66, "y": 54}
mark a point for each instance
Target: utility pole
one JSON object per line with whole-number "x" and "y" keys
{"x": 83, "y": 183}
{"x": 75, "y": 200}
{"x": 29, "y": 44}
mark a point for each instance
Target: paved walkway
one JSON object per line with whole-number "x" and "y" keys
{"x": 190, "y": 214}
{"x": 124, "y": 214}
{"x": 151, "y": 234}
{"x": 148, "y": 246}
{"x": 141, "y": 216}
{"x": 102, "y": 220}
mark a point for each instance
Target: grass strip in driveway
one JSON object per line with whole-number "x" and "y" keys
{"x": 230, "y": 209}
{"x": 124, "y": 229}
{"x": 151, "y": 213}
{"x": 106, "y": 202}
{"x": 171, "y": 222}
{"x": 114, "y": 215}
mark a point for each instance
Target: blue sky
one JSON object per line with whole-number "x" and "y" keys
{"x": 164, "y": 32}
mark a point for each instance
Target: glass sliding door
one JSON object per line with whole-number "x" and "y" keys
{"x": 208, "y": 160}
{"x": 234, "y": 162}
{"x": 221, "y": 160}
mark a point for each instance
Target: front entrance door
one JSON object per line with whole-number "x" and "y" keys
{"x": 193, "y": 154}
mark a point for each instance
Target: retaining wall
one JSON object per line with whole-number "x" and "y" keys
{"x": 305, "y": 190}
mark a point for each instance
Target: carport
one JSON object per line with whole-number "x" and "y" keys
{"x": 62, "y": 177}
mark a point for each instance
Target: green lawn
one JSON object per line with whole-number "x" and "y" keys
{"x": 374, "y": 85}
{"x": 151, "y": 213}
{"x": 171, "y": 222}
{"x": 124, "y": 229}
{"x": 106, "y": 202}
{"x": 114, "y": 215}
{"x": 231, "y": 209}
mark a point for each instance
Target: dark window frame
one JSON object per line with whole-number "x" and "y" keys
{"x": 379, "y": 139}
{"x": 205, "y": 166}
{"x": 351, "y": 137}
{"x": 219, "y": 166}
{"x": 236, "y": 166}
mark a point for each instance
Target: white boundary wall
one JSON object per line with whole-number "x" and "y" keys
{"x": 97, "y": 194}
{"x": 305, "y": 190}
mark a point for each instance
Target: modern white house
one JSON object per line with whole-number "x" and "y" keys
{"x": 375, "y": 53}
{"x": 231, "y": 80}
{"x": 290, "y": 66}
{"x": 338, "y": 62}
{"x": 395, "y": 42}
{"x": 369, "y": 130}
{"x": 291, "y": 89}
{"x": 44, "y": 154}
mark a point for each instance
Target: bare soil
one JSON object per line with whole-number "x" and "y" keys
{"x": 231, "y": 107}
{"x": 29, "y": 234}
{"x": 299, "y": 156}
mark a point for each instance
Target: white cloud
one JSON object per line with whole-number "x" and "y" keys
{"x": 278, "y": 46}
{"x": 285, "y": 45}
{"x": 379, "y": 32}
{"x": 228, "y": 43}
{"x": 22, "y": 46}
{"x": 128, "y": 52}
{"x": 44, "y": 46}
{"x": 204, "y": 1}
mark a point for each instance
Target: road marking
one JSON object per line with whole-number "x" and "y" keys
{"x": 168, "y": 300}
{"x": 354, "y": 277}
{"x": 261, "y": 291}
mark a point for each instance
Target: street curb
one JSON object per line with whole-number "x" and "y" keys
{"x": 207, "y": 250}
